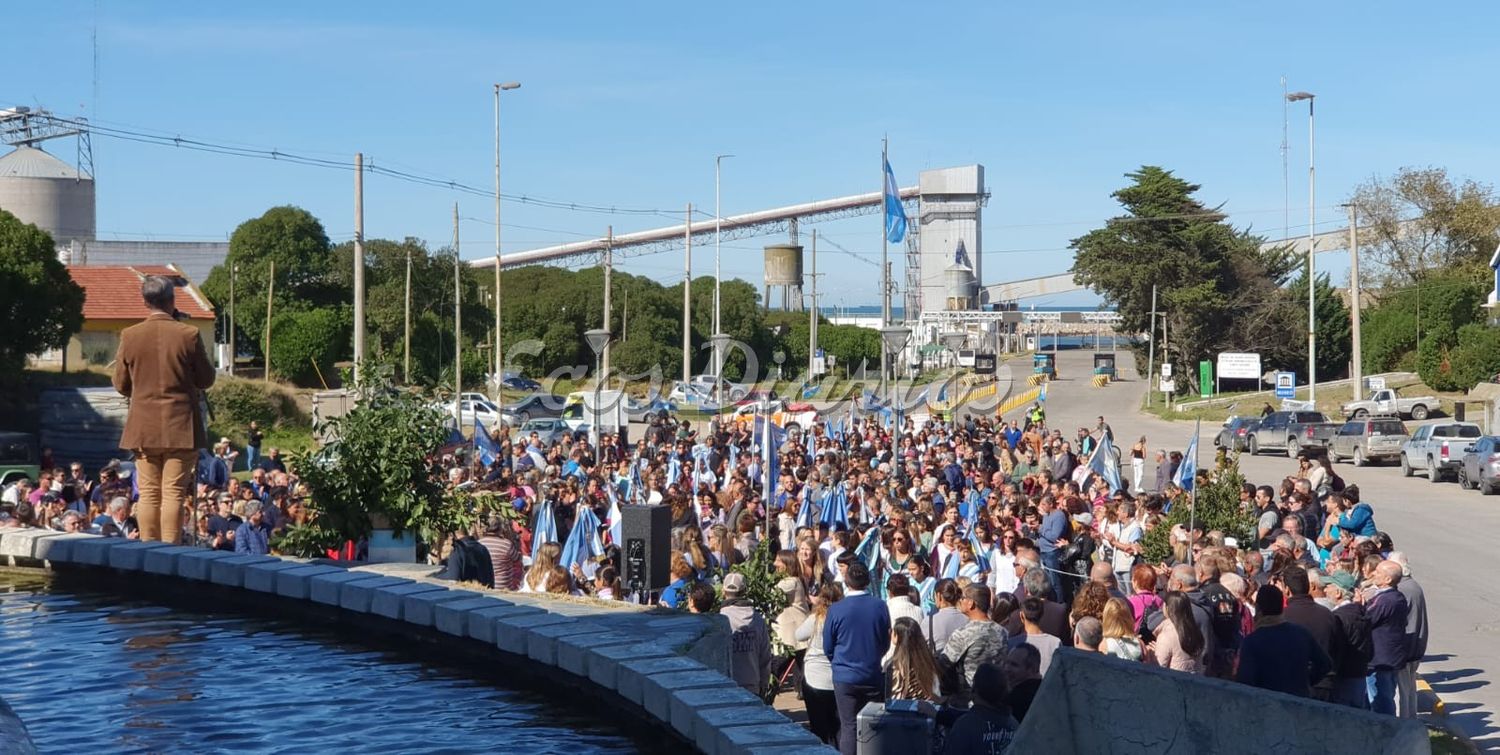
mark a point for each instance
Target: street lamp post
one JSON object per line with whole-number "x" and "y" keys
{"x": 718, "y": 222}
{"x": 953, "y": 341}
{"x": 719, "y": 340}
{"x": 1312, "y": 221}
{"x": 894, "y": 337}
{"x": 598, "y": 340}
{"x": 499, "y": 353}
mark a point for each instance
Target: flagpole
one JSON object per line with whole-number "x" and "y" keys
{"x": 766, "y": 462}
{"x": 885, "y": 266}
{"x": 1193, "y": 492}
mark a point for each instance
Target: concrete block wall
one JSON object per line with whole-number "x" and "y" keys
{"x": 671, "y": 667}
{"x": 1092, "y": 703}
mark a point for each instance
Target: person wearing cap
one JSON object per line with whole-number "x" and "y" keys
{"x": 253, "y": 537}
{"x": 1351, "y": 643}
{"x": 750, "y": 639}
{"x": 1279, "y": 655}
{"x": 163, "y": 368}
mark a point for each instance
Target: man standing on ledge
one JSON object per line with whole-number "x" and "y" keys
{"x": 161, "y": 367}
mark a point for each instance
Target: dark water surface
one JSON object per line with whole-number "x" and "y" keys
{"x": 92, "y": 672}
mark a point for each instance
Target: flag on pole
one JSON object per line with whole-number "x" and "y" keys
{"x": 1188, "y": 469}
{"x": 810, "y": 391}
{"x": 981, "y": 554}
{"x": 615, "y": 535}
{"x": 1042, "y": 394}
{"x": 870, "y": 551}
{"x": 1104, "y": 462}
{"x": 951, "y": 565}
{"x": 895, "y": 213}
{"x": 806, "y": 515}
{"x": 637, "y": 488}
{"x": 836, "y": 509}
{"x": 485, "y": 446}
{"x": 545, "y": 529}
{"x": 583, "y": 543}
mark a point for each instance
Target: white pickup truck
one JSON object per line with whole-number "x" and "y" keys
{"x": 1438, "y": 449}
{"x": 1386, "y": 402}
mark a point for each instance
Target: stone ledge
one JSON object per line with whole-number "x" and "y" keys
{"x": 452, "y": 617}
{"x": 631, "y": 675}
{"x": 325, "y": 587}
{"x": 657, "y": 689}
{"x": 230, "y": 572}
{"x": 43, "y": 549}
{"x": 541, "y": 641}
{"x": 297, "y": 583}
{"x": 482, "y": 620}
{"x": 417, "y": 608}
{"x": 744, "y": 740}
{"x": 687, "y": 703}
{"x": 22, "y": 543}
{"x": 359, "y": 595}
{"x": 130, "y": 556}
{"x": 261, "y": 577}
{"x": 92, "y": 551}
{"x": 709, "y": 722}
{"x": 198, "y": 564}
{"x": 604, "y": 661}
{"x": 163, "y": 561}
{"x": 573, "y": 650}
{"x": 387, "y": 601}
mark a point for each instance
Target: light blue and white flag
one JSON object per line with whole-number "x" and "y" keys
{"x": 1188, "y": 469}
{"x": 545, "y": 530}
{"x": 484, "y": 445}
{"x": 615, "y": 534}
{"x": 583, "y": 544}
{"x": 1105, "y": 463}
{"x": 895, "y": 213}
{"x": 836, "y": 509}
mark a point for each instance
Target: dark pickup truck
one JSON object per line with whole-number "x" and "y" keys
{"x": 1291, "y": 431}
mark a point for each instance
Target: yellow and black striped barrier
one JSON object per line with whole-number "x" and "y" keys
{"x": 1425, "y": 689}
{"x": 1101, "y": 380}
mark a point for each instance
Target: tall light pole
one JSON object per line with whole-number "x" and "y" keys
{"x": 718, "y": 229}
{"x": 1357, "y": 381}
{"x": 687, "y": 295}
{"x": 1312, "y": 222}
{"x": 234, "y": 270}
{"x": 499, "y": 352}
{"x": 598, "y": 340}
{"x": 359, "y": 265}
{"x": 894, "y": 338}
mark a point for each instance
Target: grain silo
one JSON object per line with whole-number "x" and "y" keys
{"x": 41, "y": 189}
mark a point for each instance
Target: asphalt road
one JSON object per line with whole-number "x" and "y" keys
{"x": 1450, "y": 536}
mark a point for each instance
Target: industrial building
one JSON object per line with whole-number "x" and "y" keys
{"x": 59, "y": 198}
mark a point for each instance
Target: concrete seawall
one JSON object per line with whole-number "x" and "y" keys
{"x": 669, "y": 669}
{"x": 14, "y": 739}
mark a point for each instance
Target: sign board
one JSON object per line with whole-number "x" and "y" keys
{"x": 1166, "y": 370}
{"x": 1286, "y": 384}
{"x": 1205, "y": 379}
{"x": 1239, "y": 366}
{"x": 1375, "y": 383}
{"x": 1166, "y": 385}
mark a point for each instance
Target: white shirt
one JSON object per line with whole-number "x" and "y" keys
{"x": 1124, "y": 532}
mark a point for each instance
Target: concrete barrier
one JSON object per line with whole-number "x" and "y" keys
{"x": 14, "y": 739}
{"x": 672, "y": 668}
{"x": 1090, "y": 703}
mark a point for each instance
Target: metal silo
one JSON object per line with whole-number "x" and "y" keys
{"x": 41, "y": 189}
{"x": 784, "y": 272}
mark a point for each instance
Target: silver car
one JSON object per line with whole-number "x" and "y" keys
{"x": 1481, "y": 466}
{"x": 1364, "y": 441}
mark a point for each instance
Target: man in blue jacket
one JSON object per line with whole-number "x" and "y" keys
{"x": 1386, "y": 609}
{"x": 1052, "y": 538}
{"x": 856, "y": 635}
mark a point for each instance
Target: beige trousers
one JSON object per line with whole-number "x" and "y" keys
{"x": 165, "y": 481}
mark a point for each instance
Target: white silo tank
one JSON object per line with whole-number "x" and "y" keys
{"x": 41, "y": 189}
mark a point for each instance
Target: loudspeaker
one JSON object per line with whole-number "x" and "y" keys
{"x": 646, "y": 554}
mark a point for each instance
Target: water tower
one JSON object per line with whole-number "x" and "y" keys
{"x": 784, "y": 272}
{"x": 41, "y": 189}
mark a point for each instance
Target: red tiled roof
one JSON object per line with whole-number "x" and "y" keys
{"x": 113, "y": 292}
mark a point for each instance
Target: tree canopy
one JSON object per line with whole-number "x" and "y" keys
{"x": 42, "y": 305}
{"x": 1420, "y": 221}
{"x": 1216, "y": 289}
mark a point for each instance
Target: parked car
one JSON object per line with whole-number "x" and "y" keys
{"x": 521, "y": 383}
{"x": 753, "y": 399}
{"x": 689, "y": 394}
{"x": 1438, "y": 449}
{"x": 533, "y": 406}
{"x": 1234, "y": 432}
{"x": 1291, "y": 431}
{"x": 705, "y": 384}
{"x": 549, "y": 430}
{"x": 478, "y": 411}
{"x": 1481, "y": 466}
{"x": 1368, "y": 440}
{"x": 18, "y": 457}
{"x": 1387, "y": 402}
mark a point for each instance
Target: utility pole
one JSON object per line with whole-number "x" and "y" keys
{"x": 1151, "y": 348}
{"x": 812, "y": 319}
{"x": 687, "y": 295}
{"x": 406, "y": 351}
{"x": 458, "y": 337}
{"x": 270, "y": 289}
{"x": 1357, "y": 368}
{"x": 233, "y": 269}
{"x": 499, "y": 353}
{"x": 885, "y": 272}
{"x": 609, "y": 263}
{"x": 359, "y": 265}
{"x": 1312, "y": 229}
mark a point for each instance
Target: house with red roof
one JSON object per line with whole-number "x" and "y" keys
{"x": 112, "y": 303}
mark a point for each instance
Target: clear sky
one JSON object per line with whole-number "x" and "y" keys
{"x": 626, "y": 104}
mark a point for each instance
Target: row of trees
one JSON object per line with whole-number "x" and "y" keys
{"x": 547, "y": 308}
{"x": 1220, "y": 288}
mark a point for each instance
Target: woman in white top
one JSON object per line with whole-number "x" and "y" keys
{"x": 817, "y": 672}
{"x": 1003, "y": 563}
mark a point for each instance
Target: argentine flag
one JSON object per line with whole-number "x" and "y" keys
{"x": 1188, "y": 470}
{"x": 895, "y": 214}
{"x": 1103, "y": 462}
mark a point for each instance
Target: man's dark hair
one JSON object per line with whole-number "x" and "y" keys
{"x": 990, "y": 686}
{"x": 1296, "y": 580}
{"x": 159, "y": 293}
{"x": 898, "y": 586}
{"x": 1032, "y": 609}
{"x": 701, "y": 597}
{"x": 858, "y": 576}
{"x": 979, "y": 594}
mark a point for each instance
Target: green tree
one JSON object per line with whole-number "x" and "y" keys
{"x": 296, "y": 241}
{"x": 1420, "y": 221}
{"x": 1431, "y": 311}
{"x": 1215, "y": 507}
{"x": 1333, "y": 330}
{"x": 42, "y": 305}
{"x": 1217, "y": 290}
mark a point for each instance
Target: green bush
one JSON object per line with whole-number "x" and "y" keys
{"x": 236, "y": 402}
{"x": 1474, "y": 358}
{"x": 1217, "y": 508}
{"x": 304, "y": 345}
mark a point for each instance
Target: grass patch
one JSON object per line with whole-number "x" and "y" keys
{"x": 1444, "y": 742}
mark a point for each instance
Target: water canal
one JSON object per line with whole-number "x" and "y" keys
{"x": 92, "y": 671}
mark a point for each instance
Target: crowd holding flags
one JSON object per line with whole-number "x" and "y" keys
{"x": 584, "y": 545}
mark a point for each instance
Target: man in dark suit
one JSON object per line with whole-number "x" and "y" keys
{"x": 856, "y": 635}
{"x": 162, "y": 368}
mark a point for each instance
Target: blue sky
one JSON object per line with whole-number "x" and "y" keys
{"x": 624, "y": 106}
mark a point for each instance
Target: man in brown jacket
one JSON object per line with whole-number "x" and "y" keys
{"x": 162, "y": 367}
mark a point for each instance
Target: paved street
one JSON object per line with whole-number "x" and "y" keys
{"x": 1446, "y": 532}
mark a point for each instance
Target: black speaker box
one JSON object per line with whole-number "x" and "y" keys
{"x": 646, "y": 553}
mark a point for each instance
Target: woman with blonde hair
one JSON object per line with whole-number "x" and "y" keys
{"x": 817, "y": 672}
{"x": 1120, "y": 639}
{"x": 913, "y": 671}
{"x": 545, "y": 574}
{"x": 810, "y": 566}
{"x": 721, "y": 551}
{"x": 691, "y": 545}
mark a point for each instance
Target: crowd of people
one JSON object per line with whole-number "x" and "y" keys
{"x": 945, "y": 562}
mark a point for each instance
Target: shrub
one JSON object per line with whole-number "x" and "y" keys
{"x": 236, "y": 402}
{"x": 1217, "y": 508}
{"x": 304, "y": 345}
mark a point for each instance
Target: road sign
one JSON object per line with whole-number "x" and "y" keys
{"x": 1286, "y": 384}
{"x": 1375, "y": 383}
{"x": 1166, "y": 385}
{"x": 1239, "y": 366}
{"x": 1205, "y": 379}
{"x": 1166, "y": 370}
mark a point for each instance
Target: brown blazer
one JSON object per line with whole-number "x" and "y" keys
{"x": 162, "y": 368}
